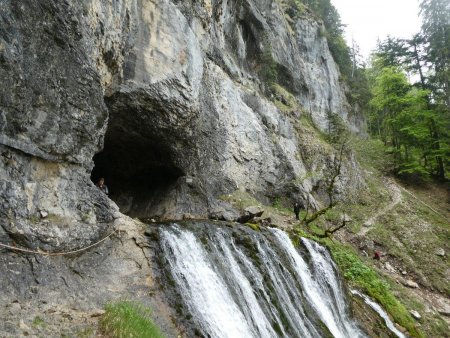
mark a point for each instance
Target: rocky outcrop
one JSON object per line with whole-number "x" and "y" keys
{"x": 174, "y": 102}
{"x": 51, "y": 296}
{"x": 159, "y": 91}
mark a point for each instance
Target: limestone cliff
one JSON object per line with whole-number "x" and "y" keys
{"x": 152, "y": 94}
{"x": 176, "y": 103}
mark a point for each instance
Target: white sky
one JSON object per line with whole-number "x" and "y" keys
{"x": 368, "y": 20}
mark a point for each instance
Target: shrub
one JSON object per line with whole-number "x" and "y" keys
{"x": 128, "y": 319}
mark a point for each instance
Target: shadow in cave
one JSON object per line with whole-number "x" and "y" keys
{"x": 137, "y": 170}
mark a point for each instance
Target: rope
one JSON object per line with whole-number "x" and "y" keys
{"x": 46, "y": 253}
{"x": 412, "y": 195}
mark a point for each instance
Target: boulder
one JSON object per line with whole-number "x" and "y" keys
{"x": 440, "y": 252}
{"x": 415, "y": 314}
{"x": 411, "y": 284}
{"x": 249, "y": 214}
{"x": 389, "y": 268}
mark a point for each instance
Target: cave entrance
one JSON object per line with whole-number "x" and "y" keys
{"x": 137, "y": 170}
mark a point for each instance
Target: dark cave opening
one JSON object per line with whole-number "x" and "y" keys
{"x": 137, "y": 170}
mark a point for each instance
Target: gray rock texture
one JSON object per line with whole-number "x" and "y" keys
{"x": 55, "y": 296}
{"x": 160, "y": 91}
{"x": 175, "y": 103}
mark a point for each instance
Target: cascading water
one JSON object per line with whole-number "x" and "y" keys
{"x": 240, "y": 283}
{"x": 377, "y": 308}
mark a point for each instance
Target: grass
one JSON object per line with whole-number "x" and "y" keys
{"x": 129, "y": 319}
{"x": 366, "y": 279}
{"x": 371, "y": 155}
{"x": 38, "y": 321}
{"x": 361, "y": 276}
{"x": 412, "y": 234}
{"x": 408, "y": 234}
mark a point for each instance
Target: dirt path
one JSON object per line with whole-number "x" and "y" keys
{"x": 396, "y": 198}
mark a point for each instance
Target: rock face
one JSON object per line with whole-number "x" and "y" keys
{"x": 158, "y": 91}
{"x": 174, "y": 103}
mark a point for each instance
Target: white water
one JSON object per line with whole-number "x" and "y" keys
{"x": 203, "y": 290}
{"x": 268, "y": 290}
{"x": 381, "y": 312}
{"x": 324, "y": 290}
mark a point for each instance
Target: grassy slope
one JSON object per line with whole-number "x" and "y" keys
{"x": 405, "y": 235}
{"x": 408, "y": 235}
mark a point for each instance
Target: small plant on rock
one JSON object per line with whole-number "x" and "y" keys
{"x": 129, "y": 319}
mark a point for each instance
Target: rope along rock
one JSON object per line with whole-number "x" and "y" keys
{"x": 45, "y": 253}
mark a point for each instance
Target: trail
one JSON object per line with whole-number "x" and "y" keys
{"x": 396, "y": 198}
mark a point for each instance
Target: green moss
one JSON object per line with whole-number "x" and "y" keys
{"x": 253, "y": 226}
{"x": 38, "y": 321}
{"x": 280, "y": 203}
{"x": 204, "y": 240}
{"x": 267, "y": 67}
{"x": 283, "y": 99}
{"x": 128, "y": 319}
{"x": 366, "y": 279}
{"x": 34, "y": 219}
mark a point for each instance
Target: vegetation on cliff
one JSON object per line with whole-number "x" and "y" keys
{"x": 128, "y": 319}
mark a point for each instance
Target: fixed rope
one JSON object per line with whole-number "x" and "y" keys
{"x": 425, "y": 204}
{"x": 46, "y": 253}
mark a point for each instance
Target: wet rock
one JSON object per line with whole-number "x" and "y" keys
{"x": 263, "y": 221}
{"x": 254, "y": 210}
{"x": 188, "y": 216}
{"x": 223, "y": 212}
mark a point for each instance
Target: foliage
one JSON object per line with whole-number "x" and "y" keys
{"x": 268, "y": 69}
{"x": 403, "y": 119}
{"x": 38, "y": 321}
{"x": 414, "y": 119}
{"x": 128, "y": 319}
{"x": 436, "y": 31}
{"x": 337, "y": 129}
{"x": 372, "y": 154}
{"x": 360, "y": 275}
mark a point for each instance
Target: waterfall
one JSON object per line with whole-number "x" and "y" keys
{"x": 243, "y": 283}
{"x": 381, "y": 312}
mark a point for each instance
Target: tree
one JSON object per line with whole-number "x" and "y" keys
{"x": 408, "y": 124}
{"x": 333, "y": 173}
{"x": 436, "y": 32}
{"x": 407, "y": 54}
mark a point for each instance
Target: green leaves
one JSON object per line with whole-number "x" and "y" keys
{"x": 404, "y": 119}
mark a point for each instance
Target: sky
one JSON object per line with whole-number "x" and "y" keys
{"x": 369, "y": 20}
